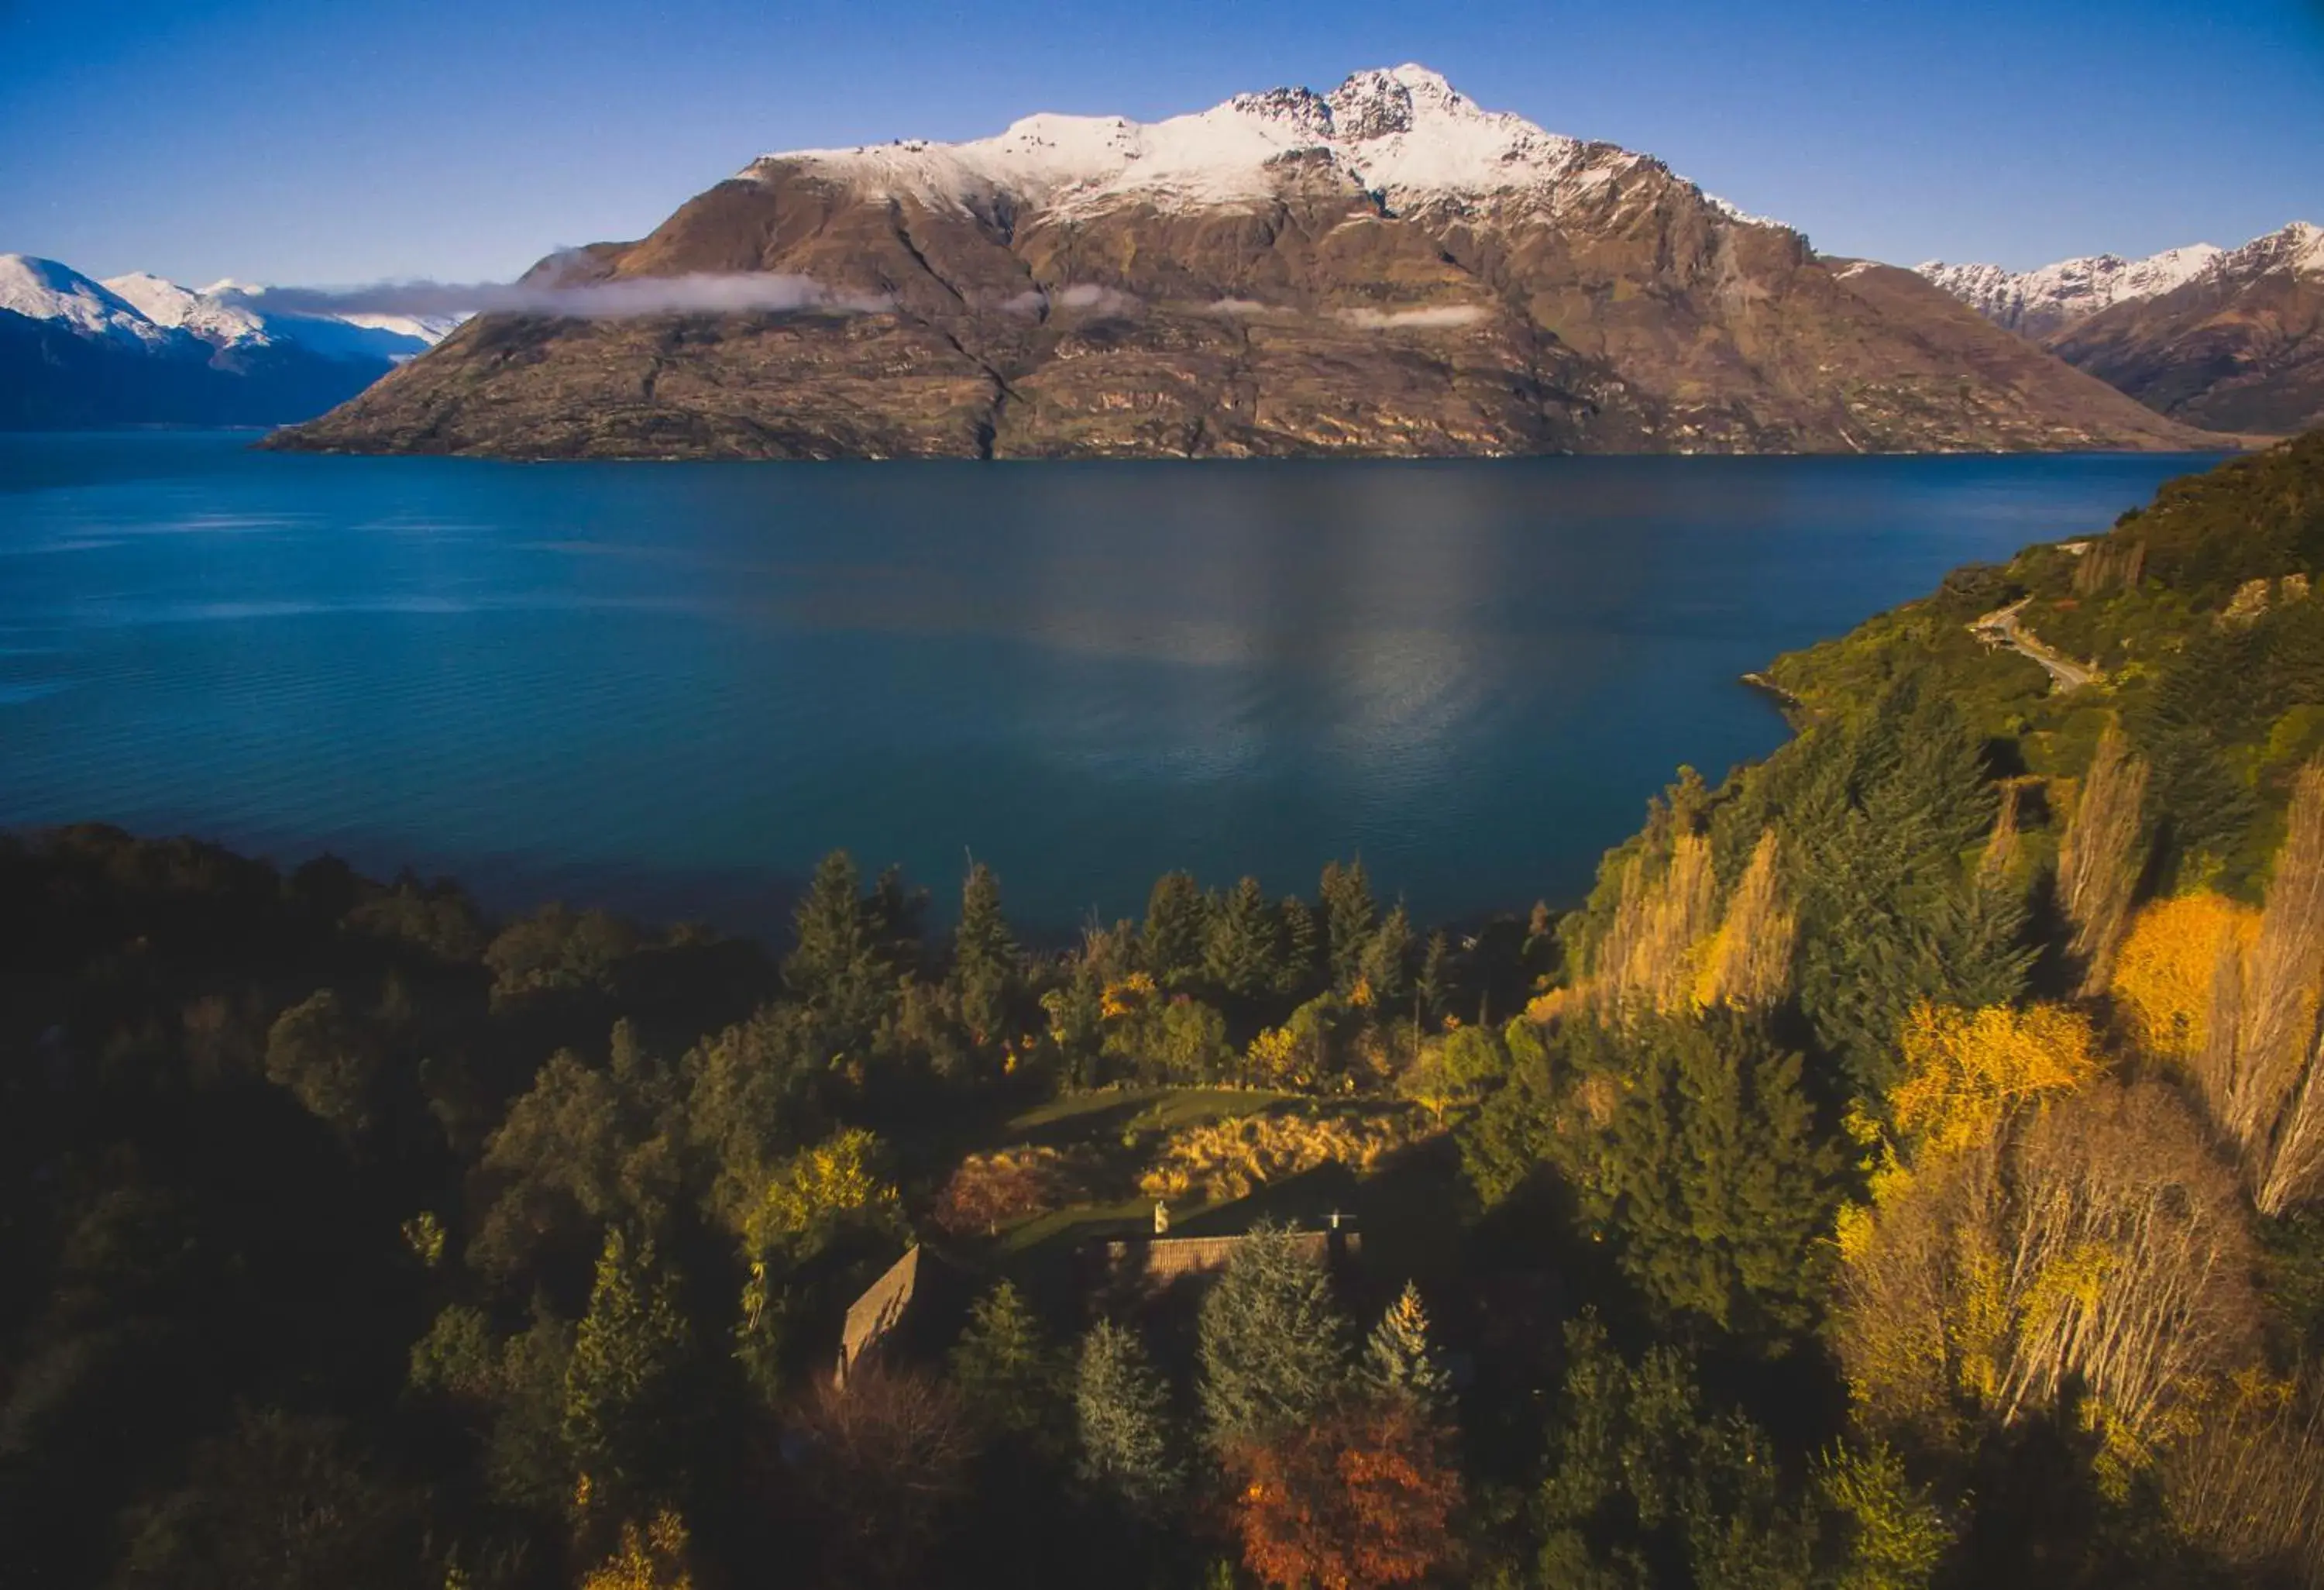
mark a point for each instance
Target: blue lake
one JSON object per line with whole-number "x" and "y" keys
{"x": 670, "y": 688}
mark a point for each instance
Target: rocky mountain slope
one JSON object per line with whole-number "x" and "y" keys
{"x": 141, "y": 350}
{"x": 2227, "y": 340}
{"x": 2238, "y": 348}
{"x": 1385, "y": 269}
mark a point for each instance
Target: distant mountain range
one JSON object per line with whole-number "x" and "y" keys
{"x": 1384, "y": 268}
{"x": 2229, "y": 339}
{"x": 139, "y": 350}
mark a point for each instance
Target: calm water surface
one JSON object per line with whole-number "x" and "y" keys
{"x": 671, "y": 687}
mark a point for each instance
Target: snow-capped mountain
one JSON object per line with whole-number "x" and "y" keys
{"x": 140, "y": 349}
{"x": 43, "y": 289}
{"x": 1385, "y": 268}
{"x": 2035, "y": 303}
{"x": 2041, "y": 303}
{"x": 2238, "y": 346}
{"x": 2295, "y": 250}
{"x": 1404, "y": 134}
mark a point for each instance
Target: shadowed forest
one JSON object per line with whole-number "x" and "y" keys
{"x": 1906, "y": 1168}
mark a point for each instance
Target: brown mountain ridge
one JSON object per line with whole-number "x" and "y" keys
{"x": 1387, "y": 270}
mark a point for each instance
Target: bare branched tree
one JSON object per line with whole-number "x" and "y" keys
{"x": 1749, "y": 963}
{"x": 2101, "y": 857}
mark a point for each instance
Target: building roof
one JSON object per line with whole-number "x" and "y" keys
{"x": 879, "y": 1310}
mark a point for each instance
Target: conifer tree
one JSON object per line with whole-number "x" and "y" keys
{"x": 1715, "y": 1181}
{"x": 1271, "y": 1343}
{"x": 622, "y": 1420}
{"x": 1122, "y": 1411}
{"x": 1177, "y": 922}
{"x": 1302, "y": 950}
{"x": 1002, "y": 1367}
{"x": 1434, "y": 989}
{"x": 1241, "y": 954}
{"x": 984, "y": 968}
{"x": 1349, "y": 919}
{"x": 838, "y": 965}
{"x": 1398, "y": 1357}
{"x": 1387, "y": 964}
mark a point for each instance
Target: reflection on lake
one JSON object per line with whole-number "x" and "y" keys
{"x": 672, "y": 686}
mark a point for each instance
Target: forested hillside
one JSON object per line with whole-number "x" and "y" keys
{"x": 1906, "y": 1169}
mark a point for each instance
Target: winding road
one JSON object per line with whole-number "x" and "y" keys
{"x": 2000, "y": 628}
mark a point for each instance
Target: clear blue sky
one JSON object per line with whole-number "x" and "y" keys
{"x": 316, "y": 141}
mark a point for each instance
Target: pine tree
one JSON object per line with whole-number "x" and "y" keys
{"x": 1241, "y": 954}
{"x": 984, "y": 968}
{"x": 1387, "y": 964}
{"x": 838, "y": 965}
{"x": 1434, "y": 989}
{"x": 1715, "y": 1179}
{"x": 1177, "y": 922}
{"x": 1350, "y": 920}
{"x": 1302, "y": 950}
{"x": 623, "y": 1409}
{"x": 1123, "y": 1409}
{"x": 1398, "y": 1357}
{"x": 1003, "y": 1368}
{"x": 1271, "y": 1343}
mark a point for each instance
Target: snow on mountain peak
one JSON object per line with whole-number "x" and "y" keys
{"x": 160, "y": 313}
{"x": 214, "y": 320}
{"x": 43, "y": 289}
{"x": 1404, "y": 133}
{"x": 2297, "y": 248}
{"x": 2036, "y": 302}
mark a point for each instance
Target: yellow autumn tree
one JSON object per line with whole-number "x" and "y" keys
{"x": 1966, "y": 1070}
{"x": 2167, "y": 972}
{"x": 2244, "y": 1025}
{"x": 2093, "y": 1245}
{"x": 836, "y": 1177}
{"x": 650, "y": 1559}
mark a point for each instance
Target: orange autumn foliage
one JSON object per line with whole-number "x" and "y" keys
{"x": 1359, "y": 1499}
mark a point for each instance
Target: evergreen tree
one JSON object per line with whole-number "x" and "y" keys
{"x": 1645, "y": 1486}
{"x": 1003, "y": 1368}
{"x": 1122, "y": 1410}
{"x": 1434, "y": 989}
{"x": 1350, "y": 920}
{"x": 624, "y": 1410}
{"x": 1302, "y": 938}
{"x": 1386, "y": 963}
{"x": 1882, "y": 827}
{"x": 984, "y": 969}
{"x": 1715, "y": 1181}
{"x": 1242, "y": 954}
{"x": 839, "y": 965}
{"x": 1177, "y": 924}
{"x": 1271, "y": 1344}
{"x": 1398, "y": 1357}
{"x": 896, "y": 914}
